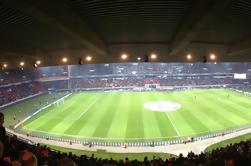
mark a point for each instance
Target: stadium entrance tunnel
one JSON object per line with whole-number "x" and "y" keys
{"x": 162, "y": 106}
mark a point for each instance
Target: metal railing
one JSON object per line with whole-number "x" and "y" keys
{"x": 135, "y": 142}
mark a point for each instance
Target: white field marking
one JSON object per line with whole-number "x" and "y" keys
{"x": 177, "y": 132}
{"x": 39, "y": 110}
{"x": 162, "y": 106}
{"x": 87, "y": 108}
{"x": 120, "y": 139}
{"x": 74, "y": 119}
{"x": 57, "y": 118}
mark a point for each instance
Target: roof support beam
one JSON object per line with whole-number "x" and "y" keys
{"x": 5, "y": 54}
{"x": 240, "y": 47}
{"x": 15, "y": 51}
{"x": 56, "y": 13}
{"x": 201, "y": 13}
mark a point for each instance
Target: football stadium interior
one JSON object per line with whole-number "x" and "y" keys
{"x": 125, "y": 82}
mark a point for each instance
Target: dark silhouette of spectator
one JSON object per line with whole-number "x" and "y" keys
{"x": 28, "y": 159}
{"x": 2, "y": 161}
{"x": 2, "y": 128}
{"x": 66, "y": 161}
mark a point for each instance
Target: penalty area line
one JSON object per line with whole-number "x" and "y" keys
{"x": 176, "y": 130}
{"x": 88, "y": 108}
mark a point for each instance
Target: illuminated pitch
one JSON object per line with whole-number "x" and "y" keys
{"x": 125, "y": 116}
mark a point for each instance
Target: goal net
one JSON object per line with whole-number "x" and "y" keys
{"x": 152, "y": 86}
{"x": 59, "y": 102}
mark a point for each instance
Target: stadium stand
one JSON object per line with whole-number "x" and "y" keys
{"x": 14, "y": 93}
{"x": 137, "y": 75}
{"x": 16, "y": 86}
{"x": 14, "y": 76}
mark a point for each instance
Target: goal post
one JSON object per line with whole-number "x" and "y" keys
{"x": 152, "y": 86}
{"x": 59, "y": 102}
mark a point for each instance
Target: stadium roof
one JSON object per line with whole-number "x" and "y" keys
{"x": 51, "y": 29}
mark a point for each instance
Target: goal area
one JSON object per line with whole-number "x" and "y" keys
{"x": 152, "y": 86}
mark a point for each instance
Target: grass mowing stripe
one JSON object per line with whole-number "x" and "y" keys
{"x": 135, "y": 126}
{"x": 221, "y": 111}
{"x": 215, "y": 114}
{"x": 77, "y": 126}
{"x": 177, "y": 118}
{"x": 185, "y": 124}
{"x": 118, "y": 126}
{"x": 176, "y": 130}
{"x": 150, "y": 123}
{"x": 153, "y": 124}
{"x": 242, "y": 99}
{"x": 192, "y": 113}
{"x": 234, "y": 109}
{"x": 190, "y": 119}
{"x": 62, "y": 111}
{"x": 23, "y": 109}
{"x": 87, "y": 108}
{"x": 98, "y": 113}
{"x": 165, "y": 118}
{"x": 67, "y": 121}
{"x": 107, "y": 117}
{"x": 41, "y": 119}
{"x": 165, "y": 122}
{"x": 243, "y": 102}
{"x": 196, "y": 110}
{"x": 163, "y": 126}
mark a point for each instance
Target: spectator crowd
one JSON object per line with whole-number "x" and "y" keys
{"x": 110, "y": 82}
{"x": 14, "y": 93}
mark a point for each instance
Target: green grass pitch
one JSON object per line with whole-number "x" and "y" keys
{"x": 122, "y": 116}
